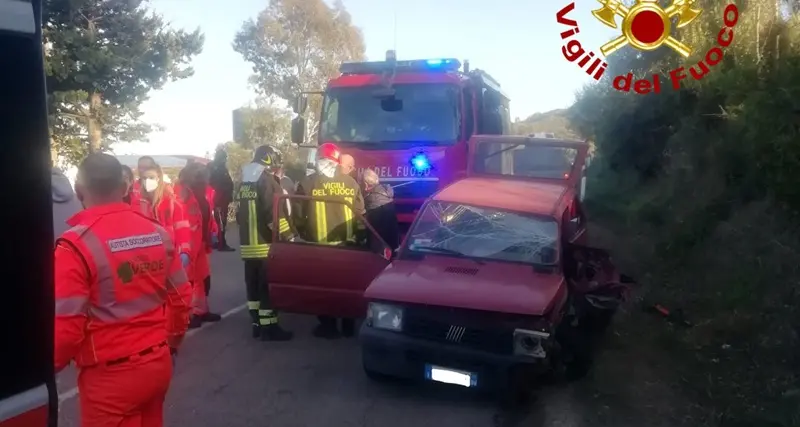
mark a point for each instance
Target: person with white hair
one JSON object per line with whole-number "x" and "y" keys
{"x": 381, "y": 213}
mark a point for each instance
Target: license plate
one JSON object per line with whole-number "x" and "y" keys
{"x": 450, "y": 376}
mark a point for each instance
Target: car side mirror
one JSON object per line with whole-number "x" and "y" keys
{"x": 298, "y": 131}
{"x": 549, "y": 255}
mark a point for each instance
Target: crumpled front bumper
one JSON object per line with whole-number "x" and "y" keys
{"x": 401, "y": 356}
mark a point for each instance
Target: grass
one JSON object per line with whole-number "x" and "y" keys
{"x": 739, "y": 365}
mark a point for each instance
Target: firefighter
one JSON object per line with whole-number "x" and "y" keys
{"x": 255, "y": 198}
{"x": 121, "y": 309}
{"x": 192, "y": 194}
{"x": 329, "y": 223}
{"x": 287, "y": 184}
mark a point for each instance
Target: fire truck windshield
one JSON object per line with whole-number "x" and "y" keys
{"x": 417, "y": 113}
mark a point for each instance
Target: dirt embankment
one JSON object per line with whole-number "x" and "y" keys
{"x": 739, "y": 364}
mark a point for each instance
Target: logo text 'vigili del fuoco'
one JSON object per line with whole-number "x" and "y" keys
{"x": 645, "y": 26}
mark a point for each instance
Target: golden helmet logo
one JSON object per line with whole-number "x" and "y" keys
{"x": 646, "y": 25}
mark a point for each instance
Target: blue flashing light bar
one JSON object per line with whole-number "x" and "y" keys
{"x": 420, "y": 163}
{"x": 419, "y": 65}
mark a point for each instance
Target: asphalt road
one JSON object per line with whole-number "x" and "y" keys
{"x": 224, "y": 378}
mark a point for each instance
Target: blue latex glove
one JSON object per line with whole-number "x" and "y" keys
{"x": 214, "y": 239}
{"x": 185, "y": 260}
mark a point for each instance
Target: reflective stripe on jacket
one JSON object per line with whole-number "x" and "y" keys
{"x": 326, "y": 222}
{"x": 119, "y": 287}
{"x": 256, "y": 196}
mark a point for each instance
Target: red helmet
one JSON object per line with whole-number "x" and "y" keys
{"x": 329, "y": 151}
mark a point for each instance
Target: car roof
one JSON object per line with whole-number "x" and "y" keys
{"x": 536, "y": 197}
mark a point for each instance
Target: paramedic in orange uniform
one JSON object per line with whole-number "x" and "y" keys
{"x": 204, "y": 262}
{"x": 193, "y": 196}
{"x": 127, "y": 174}
{"x": 120, "y": 312}
{"x": 160, "y": 203}
{"x": 144, "y": 163}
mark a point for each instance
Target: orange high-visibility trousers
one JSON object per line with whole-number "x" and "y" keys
{"x": 129, "y": 394}
{"x": 202, "y": 269}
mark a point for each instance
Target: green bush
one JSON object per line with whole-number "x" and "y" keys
{"x": 707, "y": 176}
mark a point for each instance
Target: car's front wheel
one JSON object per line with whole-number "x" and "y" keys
{"x": 375, "y": 375}
{"x": 575, "y": 358}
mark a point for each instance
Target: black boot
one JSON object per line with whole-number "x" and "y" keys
{"x": 327, "y": 331}
{"x": 195, "y": 322}
{"x": 210, "y": 317}
{"x": 256, "y": 330}
{"x": 275, "y": 333}
{"x": 348, "y": 328}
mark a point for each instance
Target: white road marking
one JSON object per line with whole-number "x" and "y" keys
{"x": 69, "y": 394}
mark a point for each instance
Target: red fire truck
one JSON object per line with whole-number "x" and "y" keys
{"x": 27, "y": 386}
{"x": 409, "y": 121}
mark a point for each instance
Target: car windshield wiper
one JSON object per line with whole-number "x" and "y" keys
{"x": 446, "y": 251}
{"x": 501, "y": 151}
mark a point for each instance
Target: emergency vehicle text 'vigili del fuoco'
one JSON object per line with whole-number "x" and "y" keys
{"x": 409, "y": 121}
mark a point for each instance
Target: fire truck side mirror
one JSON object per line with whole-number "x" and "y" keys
{"x": 298, "y": 130}
{"x": 300, "y": 106}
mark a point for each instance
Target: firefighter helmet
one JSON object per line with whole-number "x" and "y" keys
{"x": 329, "y": 151}
{"x": 268, "y": 156}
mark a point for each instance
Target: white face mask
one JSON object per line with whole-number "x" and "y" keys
{"x": 150, "y": 185}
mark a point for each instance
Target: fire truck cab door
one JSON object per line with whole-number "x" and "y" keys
{"x": 522, "y": 157}
{"x": 309, "y": 277}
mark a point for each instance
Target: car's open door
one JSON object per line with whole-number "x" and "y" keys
{"x": 523, "y": 157}
{"x": 309, "y": 277}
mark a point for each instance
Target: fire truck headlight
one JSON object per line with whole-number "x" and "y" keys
{"x": 420, "y": 163}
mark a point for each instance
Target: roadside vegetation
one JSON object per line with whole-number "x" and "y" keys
{"x": 698, "y": 191}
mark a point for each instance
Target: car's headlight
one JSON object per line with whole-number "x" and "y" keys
{"x": 530, "y": 343}
{"x": 385, "y": 316}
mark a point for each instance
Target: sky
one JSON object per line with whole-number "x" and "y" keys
{"x": 515, "y": 41}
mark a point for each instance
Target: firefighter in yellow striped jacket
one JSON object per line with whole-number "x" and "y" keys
{"x": 257, "y": 193}
{"x": 329, "y": 223}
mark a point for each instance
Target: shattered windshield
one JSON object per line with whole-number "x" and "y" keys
{"x": 525, "y": 159}
{"x": 425, "y": 112}
{"x": 469, "y": 231}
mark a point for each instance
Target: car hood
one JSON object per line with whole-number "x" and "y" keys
{"x": 463, "y": 283}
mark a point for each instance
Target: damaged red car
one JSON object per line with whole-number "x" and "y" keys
{"x": 492, "y": 286}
